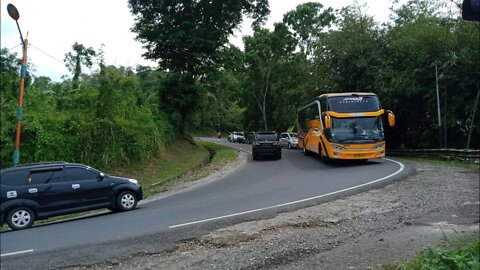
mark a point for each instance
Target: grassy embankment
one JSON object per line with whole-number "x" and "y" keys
{"x": 182, "y": 161}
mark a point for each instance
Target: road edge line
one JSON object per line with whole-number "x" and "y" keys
{"x": 402, "y": 167}
{"x": 16, "y": 253}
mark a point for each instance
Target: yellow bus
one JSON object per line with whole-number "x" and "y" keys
{"x": 343, "y": 126}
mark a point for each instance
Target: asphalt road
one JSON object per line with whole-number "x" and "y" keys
{"x": 254, "y": 190}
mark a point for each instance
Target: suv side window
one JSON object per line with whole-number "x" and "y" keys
{"x": 54, "y": 175}
{"x": 15, "y": 178}
{"x": 80, "y": 174}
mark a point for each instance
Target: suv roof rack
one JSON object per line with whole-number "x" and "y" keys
{"x": 40, "y": 163}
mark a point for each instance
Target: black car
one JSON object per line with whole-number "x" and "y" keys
{"x": 38, "y": 191}
{"x": 266, "y": 143}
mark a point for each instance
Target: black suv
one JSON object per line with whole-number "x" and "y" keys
{"x": 266, "y": 143}
{"x": 38, "y": 191}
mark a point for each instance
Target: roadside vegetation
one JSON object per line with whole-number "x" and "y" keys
{"x": 115, "y": 116}
{"x": 449, "y": 162}
{"x": 452, "y": 255}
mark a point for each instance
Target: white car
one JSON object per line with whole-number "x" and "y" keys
{"x": 236, "y": 137}
{"x": 289, "y": 140}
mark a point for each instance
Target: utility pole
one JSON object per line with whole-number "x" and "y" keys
{"x": 473, "y": 119}
{"x": 14, "y": 14}
{"x": 438, "y": 106}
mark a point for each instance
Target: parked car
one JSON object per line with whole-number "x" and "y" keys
{"x": 237, "y": 137}
{"x": 250, "y": 137}
{"x": 266, "y": 143}
{"x": 289, "y": 140}
{"x": 37, "y": 191}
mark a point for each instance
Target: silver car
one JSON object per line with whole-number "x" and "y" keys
{"x": 236, "y": 137}
{"x": 289, "y": 140}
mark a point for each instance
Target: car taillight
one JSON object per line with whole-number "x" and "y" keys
{"x": 276, "y": 143}
{"x": 256, "y": 143}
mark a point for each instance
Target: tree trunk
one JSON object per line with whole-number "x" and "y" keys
{"x": 76, "y": 76}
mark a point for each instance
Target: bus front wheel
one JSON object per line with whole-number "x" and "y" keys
{"x": 305, "y": 151}
{"x": 323, "y": 156}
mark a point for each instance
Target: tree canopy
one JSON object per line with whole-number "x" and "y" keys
{"x": 185, "y": 36}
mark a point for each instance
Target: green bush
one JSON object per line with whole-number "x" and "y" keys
{"x": 466, "y": 257}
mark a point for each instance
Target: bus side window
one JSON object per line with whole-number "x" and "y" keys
{"x": 302, "y": 121}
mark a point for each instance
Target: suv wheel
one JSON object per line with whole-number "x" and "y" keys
{"x": 126, "y": 200}
{"x": 20, "y": 218}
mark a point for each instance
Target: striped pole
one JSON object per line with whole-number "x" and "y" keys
{"x": 23, "y": 75}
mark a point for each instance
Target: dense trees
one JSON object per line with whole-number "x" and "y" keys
{"x": 118, "y": 115}
{"x": 185, "y": 37}
{"x": 107, "y": 121}
{"x": 396, "y": 60}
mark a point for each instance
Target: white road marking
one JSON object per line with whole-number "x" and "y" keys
{"x": 402, "y": 167}
{"x": 239, "y": 148}
{"x": 16, "y": 253}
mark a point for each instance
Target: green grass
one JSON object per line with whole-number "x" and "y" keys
{"x": 447, "y": 162}
{"x": 460, "y": 255}
{"x": 223, "y": 154}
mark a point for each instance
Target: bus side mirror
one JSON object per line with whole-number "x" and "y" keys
{"x": 328, "y": 121}
{"x": 471, "y": 10}
{"x": 391, "y": 118}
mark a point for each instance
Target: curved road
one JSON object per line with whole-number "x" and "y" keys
{"x": 256, "y": 189}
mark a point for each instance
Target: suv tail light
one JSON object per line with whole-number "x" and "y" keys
{"x": 256, "y": 143}
{"x": 276, "y": 143}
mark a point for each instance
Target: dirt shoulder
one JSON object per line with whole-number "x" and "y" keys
{"x": 369, "y": 230}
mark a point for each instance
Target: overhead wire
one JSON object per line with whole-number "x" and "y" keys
{"x": 14, "y": 47}
{"x": 47, "y": 54}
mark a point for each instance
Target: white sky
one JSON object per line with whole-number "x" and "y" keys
{"x": 54, "y": 25}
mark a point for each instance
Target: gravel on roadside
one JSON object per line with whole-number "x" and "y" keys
{"x": 368, "y": 230}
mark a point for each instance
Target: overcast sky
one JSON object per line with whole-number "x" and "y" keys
{"x": 54, "y": 25}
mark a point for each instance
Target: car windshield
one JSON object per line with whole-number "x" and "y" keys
{"x": 293, "y": 135}
{"x": 356, "y": 130}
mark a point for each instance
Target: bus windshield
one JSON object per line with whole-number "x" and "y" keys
{"x": 356, "y": 130}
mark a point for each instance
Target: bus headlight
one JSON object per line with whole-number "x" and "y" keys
{"x": 338, "y": 147}
{"x": 378, "y": 146}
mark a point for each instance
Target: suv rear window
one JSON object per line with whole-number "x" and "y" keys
{"x": 266, "y": 137}
{"x": 15, "y": 178}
